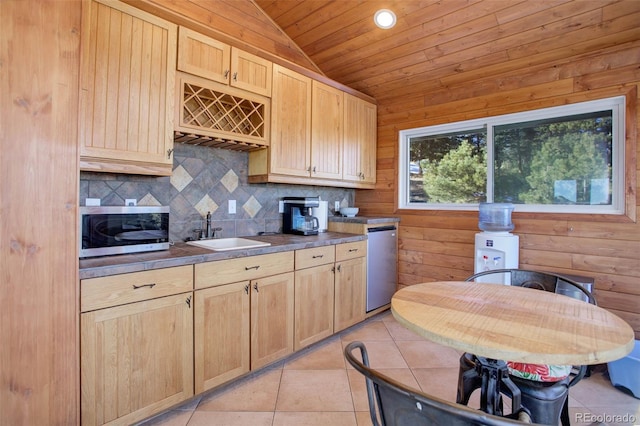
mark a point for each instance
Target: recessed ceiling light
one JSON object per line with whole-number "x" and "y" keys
{"x": 385, "y": 19}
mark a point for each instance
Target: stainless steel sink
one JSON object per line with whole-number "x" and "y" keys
{"x": 224, "y": 244}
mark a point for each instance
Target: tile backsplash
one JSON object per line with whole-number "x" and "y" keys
{"x": 205, "y": 180}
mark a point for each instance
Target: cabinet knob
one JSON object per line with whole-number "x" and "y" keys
{"x": 255, "y": 287}
{"x": 235, "y": 76}
{"x": 226, "y": 73}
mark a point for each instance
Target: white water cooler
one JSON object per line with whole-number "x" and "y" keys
{"x": 496, "y": 247}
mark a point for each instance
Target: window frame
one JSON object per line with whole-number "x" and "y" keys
{"x": 618, "y": 106}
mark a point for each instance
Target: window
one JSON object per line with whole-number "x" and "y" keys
{"x": 567, "y": 159}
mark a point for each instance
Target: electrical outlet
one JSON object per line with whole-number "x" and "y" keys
{"x": 336, "y": 206}
{"x": 92, "y": 202}
{"x": 280, "y": 206}
{"x": 130, "y": 202}
{"x": 232, "y": 206}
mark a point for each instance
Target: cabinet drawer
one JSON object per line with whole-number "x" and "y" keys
{"x": 315, "y": 256}
{"x": 245, "y": 268}
{"x": 348, "y": 251}
{"x": 103, "y": 292}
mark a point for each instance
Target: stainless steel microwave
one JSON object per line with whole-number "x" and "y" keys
{"x": 109, "y": 230}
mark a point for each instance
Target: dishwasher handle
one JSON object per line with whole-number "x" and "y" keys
{"x": 381, "y": 228}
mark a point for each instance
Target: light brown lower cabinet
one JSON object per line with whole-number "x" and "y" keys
{"x": 330, "y": 296}
{"x": 145, "y": 348}
{"x": 313, "y": 305}
{"x": 136, "y": 359}
{"x": 350, "y": 284}
{"x": 271, "y": 319}
{"x": 240, "y": 327}
{"x": 221, "y": 330}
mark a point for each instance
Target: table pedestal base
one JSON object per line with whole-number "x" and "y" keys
{"x": 490, "y": 375}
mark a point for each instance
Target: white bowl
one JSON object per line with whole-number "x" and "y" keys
{"x": 349, "y": 211}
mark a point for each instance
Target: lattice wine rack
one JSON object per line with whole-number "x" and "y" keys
{"x": 221, "y": 117}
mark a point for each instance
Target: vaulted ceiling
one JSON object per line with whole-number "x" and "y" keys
{"x": 439, "y": 45}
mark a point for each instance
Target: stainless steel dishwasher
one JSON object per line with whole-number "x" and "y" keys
{"x": 382, "y": 255}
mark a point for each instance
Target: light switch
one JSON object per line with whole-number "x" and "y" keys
{"x": 232, "y": 206}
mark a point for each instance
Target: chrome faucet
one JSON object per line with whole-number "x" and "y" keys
{"x": 207, "y": 233}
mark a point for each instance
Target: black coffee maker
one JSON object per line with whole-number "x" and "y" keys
{"x": 297, "y": 218}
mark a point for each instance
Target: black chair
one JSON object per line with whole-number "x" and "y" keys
{"x": 393, "y": 404}
{"x": 546, "y": 401}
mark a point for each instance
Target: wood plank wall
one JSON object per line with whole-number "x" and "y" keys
{"x": 438, "y": 245}
{"x": 39, "y": 350}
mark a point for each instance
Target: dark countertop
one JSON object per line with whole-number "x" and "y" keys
{"x": 184, "y": 254}
{"x": 363, "y": 219}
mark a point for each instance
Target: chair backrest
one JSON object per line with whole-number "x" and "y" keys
{"x": 547, "y": 281}
{"x": 393, "y": 404}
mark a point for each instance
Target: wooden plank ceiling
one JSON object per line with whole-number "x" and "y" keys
{"x": 438, "y": 45}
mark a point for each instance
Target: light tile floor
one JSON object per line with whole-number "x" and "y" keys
{"x": 315, "y": 386}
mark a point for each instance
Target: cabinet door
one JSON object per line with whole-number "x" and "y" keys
{"x": 290, "y": 148}
{"x": 221, "y": 334}
{"x": 136, "y": 359}
{"x": 214, "y": 60}
{"x": 250, "y": 72}
{"x": 203, "y": 56}
{"x": 326, "y": 132}
{"x": 360, "y": 130}
{"x": 350, "y": 296}
{"x": 127, "y": 84}
{"x": 313, "y": 305}
{"x": 271, "y": 318}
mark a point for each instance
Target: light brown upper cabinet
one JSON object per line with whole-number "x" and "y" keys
{"x": 320, "y": 135}
{"x": 127, "y": 82}
{"x": 326, "y": 131}
{"x": 306, "y": 133}
{"x": 290, "y": 145}
{"x": 360, "y": 127}
{"x": 211, "y": 59}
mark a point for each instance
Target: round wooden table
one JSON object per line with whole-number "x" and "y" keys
{"x": 499, "y": 323}
{"x": 513, "y": 323}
